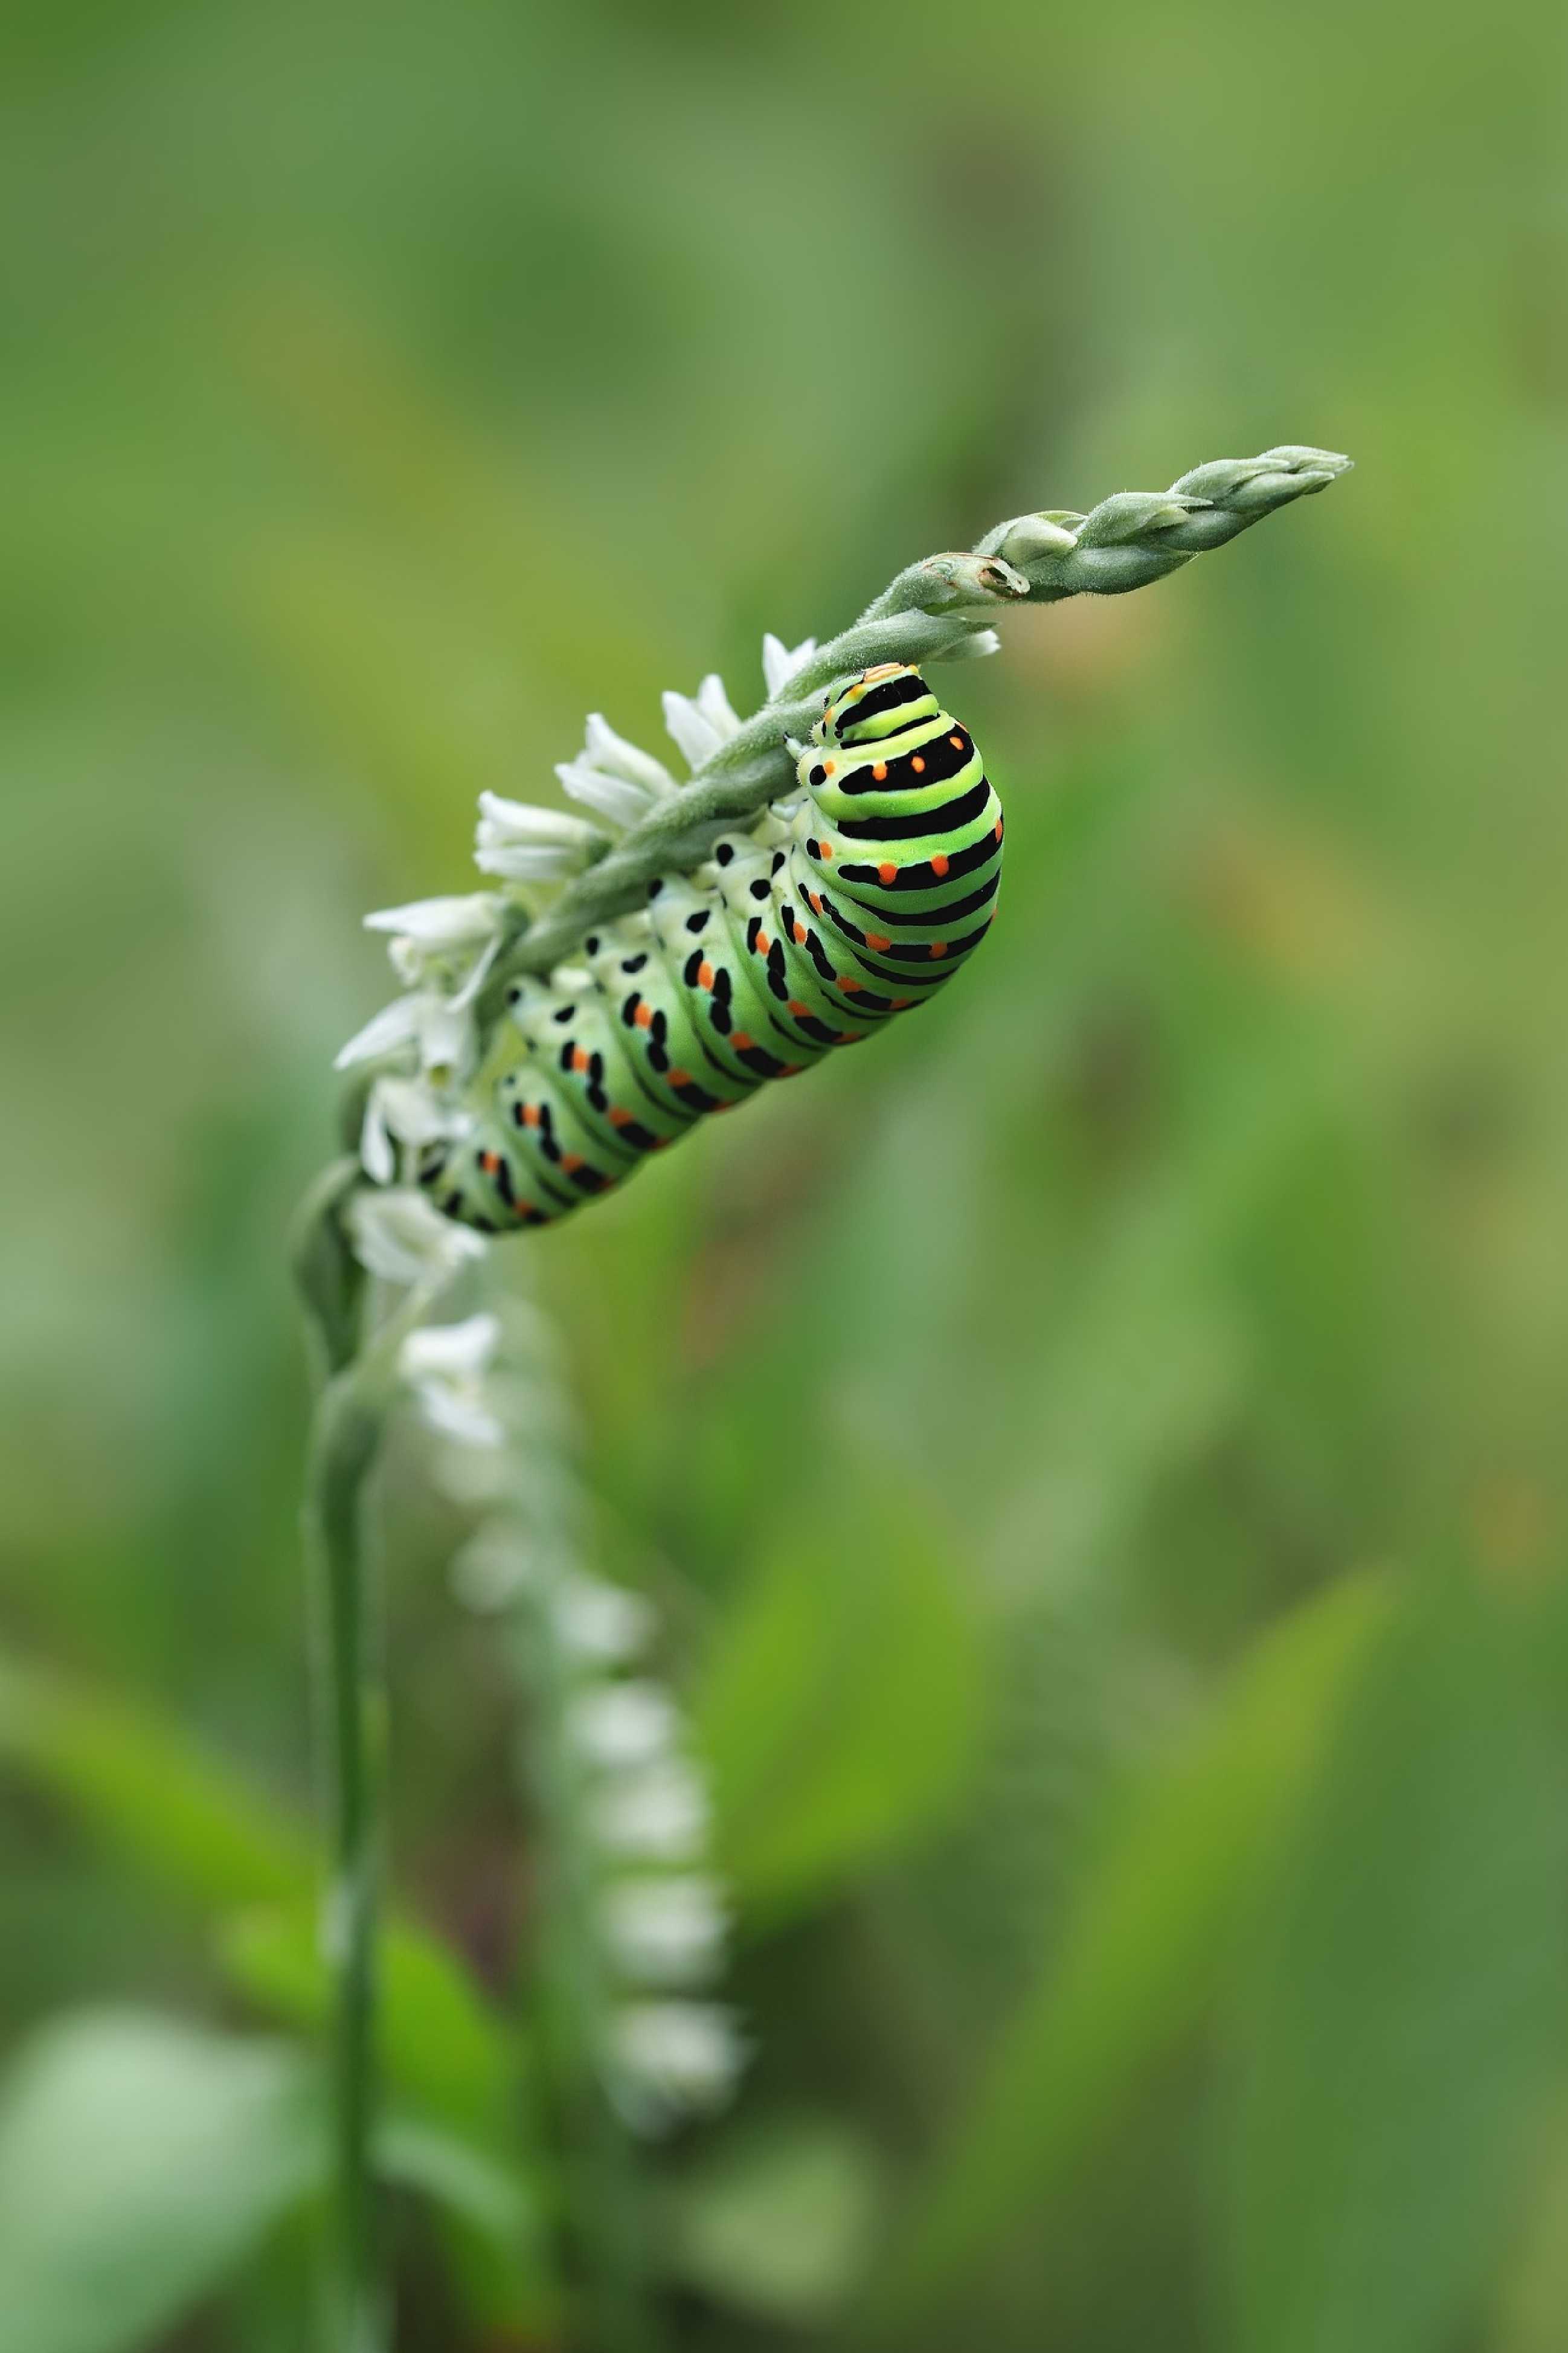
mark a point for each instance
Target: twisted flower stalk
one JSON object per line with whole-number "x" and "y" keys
{"x": 561, "y": 875}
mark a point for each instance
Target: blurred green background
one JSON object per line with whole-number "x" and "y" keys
{"x": 1100, "y": 1456}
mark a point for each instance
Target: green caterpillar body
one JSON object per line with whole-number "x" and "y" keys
{"x": 795, "y": 941}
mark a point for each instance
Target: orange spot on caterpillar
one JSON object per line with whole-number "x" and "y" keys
{"x": 813, "y": 901}
{"x": 524, "y": 1209}
{"x": 827, "y": 850}
{"x": 743, "y": 1041}
{"x": 918, "y": 765}
{"x": 957, "y": 743}
{"x": 851, "y": 987}
{"x": 798, "y": 934}
{"x": 901, "y": 1003}
{"x": 887, "y": 872}
{"x": 792, "y": 1070}
{"x": 643, "y": 1016}
{"x": 705, "y": 974}
{"x": 619, "y": 1116}
{"x": 579, "y": 1057}
{"x": 829, "y": 767}
{"x": 880, "y": 772}
{"x": 877, "y": 940}
{"x": 998, "y": 829}
{"x": 530, "y": 1114}
{"x": 571, "y": 1162}
{"x": 938, "y": 865}
{"x": 939, "y": 947}
{"x": 763, "y": 943}
{"x": 797, "y": 1007}
{"x": 490, "y": 1162}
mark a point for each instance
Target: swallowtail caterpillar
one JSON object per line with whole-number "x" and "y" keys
{"x": 796, "y": 938}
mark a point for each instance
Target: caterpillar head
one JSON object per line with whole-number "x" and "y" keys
{"x": 861, "y": 714}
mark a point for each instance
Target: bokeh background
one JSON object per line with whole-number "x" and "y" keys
{"x": 1101, "y": 1459}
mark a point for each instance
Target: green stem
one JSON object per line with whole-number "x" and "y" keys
{"x": 349, "y": 1422}
{"x": 347, "y": 1441}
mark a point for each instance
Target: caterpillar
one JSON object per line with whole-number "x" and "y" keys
{"x": 809, "y": 933}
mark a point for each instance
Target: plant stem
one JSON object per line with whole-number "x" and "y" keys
{"x": 350, "y": 1421}
{"x": 347, "y": 1441}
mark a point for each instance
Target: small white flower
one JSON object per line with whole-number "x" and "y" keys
{"x": 780, "y": 662}
{"x": 669, "y": 2058}
{"x": 664, "y": 1932}
{"x": 444, "y": 947}
{"x": 445, "y": 1365}
{"x": 402, "y": 1111}
{"x": 659, "y": 1814}
{"x": 974, "y": 647}
{"x": 699, "y": 728}
{"x": 392, "y": 1027}
{"x": 495, "y": 1567}
{"x": 613, "y": 777}
{"x": 441, "y": 926}
{"x": 607, "y": 750}
{"x": 612, "y": 797}
{"x": 525, "y": 844}
{"x": 598, "y": 1622}
{"x": 622, "y": 1724}
{"x": 399, "y": 1237}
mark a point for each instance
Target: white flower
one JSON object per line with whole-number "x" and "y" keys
{"x": 666, "y": 2058}
{"x": 616, "y": 778}
{"x": 974, "y": 647}
{"x": 494, "y": 1567}
{"x": 399, "y": 1237}
{"x": 402, "y": 1111}
{"x": 621, "y": 1723}
{"x": 699, "y": 728}
{"x": 659, "y": 1814}
{"x": 664, "y": 1932}
{"x": 441, "y": 926}
{"x": 445, "y": 1365}
{"x": 392, "y": 1027}
{"x": 599, "y": 1621}
{"x": 525, "y": 844}
{"x": 443, "y": 945}
{"x": 780, "y": 662}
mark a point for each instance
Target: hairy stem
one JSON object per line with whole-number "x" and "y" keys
{"x": 928, "y": 614}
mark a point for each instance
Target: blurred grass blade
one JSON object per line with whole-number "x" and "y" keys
{"x": 840, "y": 1707}
{"x": 1405, "y": 2016}
{"x": 181, "y": 1815}
{"x": 176, "y": 1811}
{"x": 139, "y": 2162}
{"x": 1142, "y": 1952}
{"x": 453, "y": 2057}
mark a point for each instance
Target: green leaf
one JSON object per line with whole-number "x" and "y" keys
{"x": 443, "y": 2045}
{"x": 185, "y": 1819}
{"x": 777, "y": 2220}
{"x": 139, "y": 2162}
{"x": 1405, "y": 2013}
{"x": 176, "y": 1811}
{"x": 840, "y": 1706}
{"x": 1143, "y": 1949}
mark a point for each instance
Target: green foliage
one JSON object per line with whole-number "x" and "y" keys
{"x": 776, "y": 2221}
{"x": 1143, "y": 1952}
{"x": 840, "y": 1709}
{"x": 381, "y": 398}
{"x": 1402, "y": 2033}
{"x": 139, "y": 2162}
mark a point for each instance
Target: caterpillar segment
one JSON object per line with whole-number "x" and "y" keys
{"x": 810, "y": 932}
